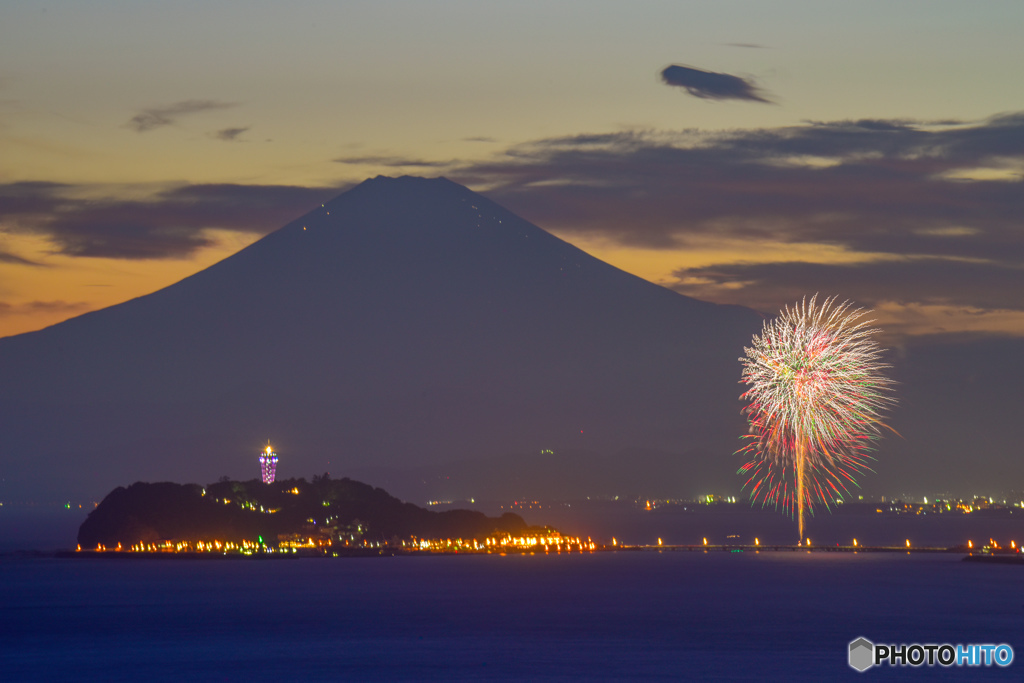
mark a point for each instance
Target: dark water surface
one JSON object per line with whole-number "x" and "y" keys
{"x": 607, "y": 616}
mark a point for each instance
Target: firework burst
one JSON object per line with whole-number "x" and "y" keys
{"x": 817, "y": 394}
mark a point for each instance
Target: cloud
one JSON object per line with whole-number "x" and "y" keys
{"x": 7, "y": 257}
{"x": 907, "y": 297}
{"x": 915, "y": 211}
{"x": 46, "y": 307}
{"x": 872, "y": 186}
{"x": 230, "y": 134}
{"x": 710, "y": 85}
{"x": 156, "y": 117}
{"x": 23, "y": 198}
{"x": 929, "y": 281}
{"x": 173, "y": 223}
{"x": 754, "y": 46}
{"x": 392, "y": 162}
{"x": 127, "y": 239}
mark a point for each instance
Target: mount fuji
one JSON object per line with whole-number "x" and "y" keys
{"x": 405, "y": 324}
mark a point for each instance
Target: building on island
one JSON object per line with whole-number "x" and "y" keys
{"x": 268, "y": 464}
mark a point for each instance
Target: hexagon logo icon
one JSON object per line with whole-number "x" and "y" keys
{"x": 862, "y": 654}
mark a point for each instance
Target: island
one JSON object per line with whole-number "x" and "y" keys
{"x": 324, "y": 517}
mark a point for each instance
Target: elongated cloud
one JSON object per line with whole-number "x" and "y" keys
{"x": 230, "y": 134}
{"x": 936, "y": 282}
{"x": 173, "y": 223}
{"x": 157, "y": 117}
{"x": 33, "y": 307}
{"x": 7, "y": 257}
{"x": 393, "y": 162}
{"x": 710, "y": 85}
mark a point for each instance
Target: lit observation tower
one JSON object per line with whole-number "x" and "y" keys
{"x": 268, "y": 464}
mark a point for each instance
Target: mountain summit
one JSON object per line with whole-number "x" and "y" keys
{"x": 406, "y": 322}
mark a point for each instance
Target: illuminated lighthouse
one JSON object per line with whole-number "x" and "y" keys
{"x": 268, "y": 464}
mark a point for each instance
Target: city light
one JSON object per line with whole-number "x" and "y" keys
{"x": 533, "y": 541}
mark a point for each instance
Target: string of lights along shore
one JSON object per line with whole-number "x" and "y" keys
{"x": 817, "y": 393}
{"x": 268, "y": 464}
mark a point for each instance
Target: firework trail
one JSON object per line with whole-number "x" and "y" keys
{"x": 817, "y": 394}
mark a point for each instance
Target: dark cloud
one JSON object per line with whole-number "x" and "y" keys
{"x": 932, "y": 282}
{"x": 156, "y": 117}
{"x": 230, "y": 134}
{"x": 872, "y": 186}
{"x": 172, "y": 224}
{"x": 127, "y": 239}
{"x": 6, "y": 257}
{"x": 904, "y": 193}
{"x": 28, "y": 197}
{"x": 710, "y": 85}
{"x": 754, "y": 46}
{"x": 392, "y": 162}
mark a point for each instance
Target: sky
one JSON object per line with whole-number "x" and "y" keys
{"x": 738, "y": 152}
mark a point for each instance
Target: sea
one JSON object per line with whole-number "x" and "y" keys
{"x": 669, "y": 615}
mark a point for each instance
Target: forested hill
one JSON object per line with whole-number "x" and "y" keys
{"x": 232, "y": 511}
